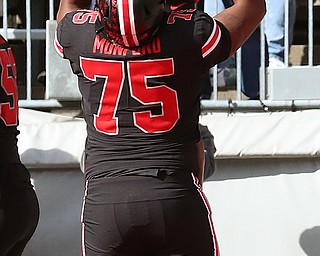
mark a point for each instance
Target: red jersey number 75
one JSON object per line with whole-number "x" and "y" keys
{"x": 138, "y": 71}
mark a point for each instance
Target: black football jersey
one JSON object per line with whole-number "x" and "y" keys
{"x": 142, "y": 105}
{"x": 8, "y": 105}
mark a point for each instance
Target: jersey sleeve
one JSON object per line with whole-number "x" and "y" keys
{"x": 61, "y": 39}
{"x": 214, "y": 39}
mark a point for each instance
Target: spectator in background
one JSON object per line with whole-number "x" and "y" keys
{"x": 19, "y": 209}
{"x": 93, "y": 4}
{"x": 275, "y": 30}
{"x": 250, "y": 54}
{"x": 15, "y": 7}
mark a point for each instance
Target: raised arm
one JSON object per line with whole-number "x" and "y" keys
{"x": 241, "y": 20}
{"x": 71, "y": 5}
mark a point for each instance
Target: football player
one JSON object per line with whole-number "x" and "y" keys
{"x": 19, "y": 209}
{"x": 139, "y": 69}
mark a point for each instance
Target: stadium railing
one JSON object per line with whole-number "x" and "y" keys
{"x": 296, "y": 86}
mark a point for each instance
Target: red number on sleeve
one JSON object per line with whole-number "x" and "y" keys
{"x": 83, "y": 17}
{"x": 178, "y": 14}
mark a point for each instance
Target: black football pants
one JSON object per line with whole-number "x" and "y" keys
{"x": 147, "y": 216}
{"x": 19, "y": 209}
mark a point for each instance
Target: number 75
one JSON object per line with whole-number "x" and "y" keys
{"x": 138, "y": 72}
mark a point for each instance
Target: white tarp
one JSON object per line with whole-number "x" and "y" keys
{"x": 277, "y": 134}
{"x": 47, "y": 139}
{"x": 50, "y": 140}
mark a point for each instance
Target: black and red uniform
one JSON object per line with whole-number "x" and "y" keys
{"x": 142, "y": 107}
{"x": 19, "y": 209}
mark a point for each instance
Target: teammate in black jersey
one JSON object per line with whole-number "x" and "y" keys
{"x": 19, "y": 209}
{"x": 139, "y": 71}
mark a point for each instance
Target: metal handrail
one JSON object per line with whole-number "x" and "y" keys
{"x": 258, "y": 105}
{"x": 29, "y": 34}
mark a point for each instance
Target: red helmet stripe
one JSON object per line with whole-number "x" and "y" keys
{"x": 127, "y": 24}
